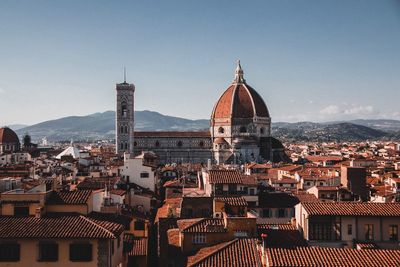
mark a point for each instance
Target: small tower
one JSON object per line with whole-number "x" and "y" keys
{"x": 124, "y": 117}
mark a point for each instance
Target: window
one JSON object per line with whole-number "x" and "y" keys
{"x": 281, "y": 213}
{"x": 199, "y": 238}
{"x": 118, "y": 241}
{"x": 180, "y": 144}
{"x": 124, "y": 110}
{"x": 266, "y": 213}
{"x": 121, "y": 146}
{"x": 80, "y": 252}
{"x": 232, "y": 189}
{"x": 189, "y": 213}
{"x": 157, "y": 144}
{"x": 201, "y": 144}
{"x": 321, "y": 183}
{"x": 393, "y": 232}
{"x": 369, "y": 232}
{"x": 135, "y": 143}
{"x": 349, "y": 229}
{"x": 126, "y": 145}
{"x": 21, "y": 211}
{"x": 139, "y": 225}
{"x": 261, "y": 130}
{"x": 48, "y": 251}
{"x": 144, "y": 175}
{"x": 9, "y": 252}
{"x": 121, "y": 130}
{"x": 221, "y": 130}
{"x": 243, "y": 129}
{"x": 324, "y": 231}
{"x": 252, "y": 191}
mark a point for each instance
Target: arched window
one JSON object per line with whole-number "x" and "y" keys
{"x": 121, "y": 129}
{"x": 262, "y": 130}
{"x": 135, "y": 143}
{"x": 180, "y": 143}
{"x": 126, "y": 145}
{"x": 201, "y": 144}
{"x": 157, "y": 144}
{"x": 121, "y": 146}
{"x": 124, "y": 110}
{"x": 126, "y": 129}
{"x": 221, "y": 130}
{"x": 243, "y": 129}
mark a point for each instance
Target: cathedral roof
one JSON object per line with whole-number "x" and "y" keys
{"x": 240, "y": 100}
{"x": 8, "y": 136}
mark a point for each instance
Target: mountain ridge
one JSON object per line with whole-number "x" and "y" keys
{"x": 101, "y": 125}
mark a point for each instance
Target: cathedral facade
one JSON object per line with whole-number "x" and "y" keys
{"x": 240, "y": 130}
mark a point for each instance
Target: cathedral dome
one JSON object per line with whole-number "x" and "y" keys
{"x": 239, "y": 101}
{"x": 8, "y": 136}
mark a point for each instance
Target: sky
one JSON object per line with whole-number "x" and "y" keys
{"x": 310, "y": 60}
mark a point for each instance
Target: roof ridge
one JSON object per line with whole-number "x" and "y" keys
{"x": 215, "y": 251}
{"x": 98, "y": 225}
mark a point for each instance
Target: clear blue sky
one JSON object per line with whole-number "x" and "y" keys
{"x": 310, "y": 60}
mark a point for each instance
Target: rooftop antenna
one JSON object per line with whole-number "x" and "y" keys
{"x": 124, "y": 74}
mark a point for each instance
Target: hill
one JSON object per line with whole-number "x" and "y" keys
{"x": 102, "y": 125}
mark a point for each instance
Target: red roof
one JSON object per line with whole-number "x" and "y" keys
{"x": 139, "y": 247}
{"x": 76, "y": 197}
{"x": 331, "y": 257}
{"x": 225, "y": 177}
{"x": 238, "y": 252}
{"x": 201, "y": 225}
{"x": 240, "y": 101}
{"x": 352, "y": 209}
{"x": 232, "y": 201}
{"x": 57, "y": 227}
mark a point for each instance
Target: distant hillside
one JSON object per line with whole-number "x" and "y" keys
{"x": 102, "y": 125}
{"x": 381, "y": 124}
{"x": 321, "y": 132}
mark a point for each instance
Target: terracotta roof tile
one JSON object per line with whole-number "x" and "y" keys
{"x": 139, "y": 247}
{"x": 76, "y": 197}
{"x": 225, "y": 177}
{"x": 233, "y": 201}
{"x": 331, "y": 257}
{"x": 61, "y": 226}
{"x": 238, "y": 252}
{"x": 352, "y": 209}
{"x": 201, "y": 225}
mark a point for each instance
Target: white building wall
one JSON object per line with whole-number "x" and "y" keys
{"x": 132, "y": 170}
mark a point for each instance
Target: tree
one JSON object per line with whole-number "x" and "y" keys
{"x": 27, "y": 140}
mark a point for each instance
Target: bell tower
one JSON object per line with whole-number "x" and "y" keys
{"x": 124, "y": 117}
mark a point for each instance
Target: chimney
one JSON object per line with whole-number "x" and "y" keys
{"x": 38, "y": 213}
{"x": 263, "y": 254}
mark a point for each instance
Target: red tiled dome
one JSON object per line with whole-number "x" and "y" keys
{"x": 8, "y": 136}
{"x": 240, "y": 101}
